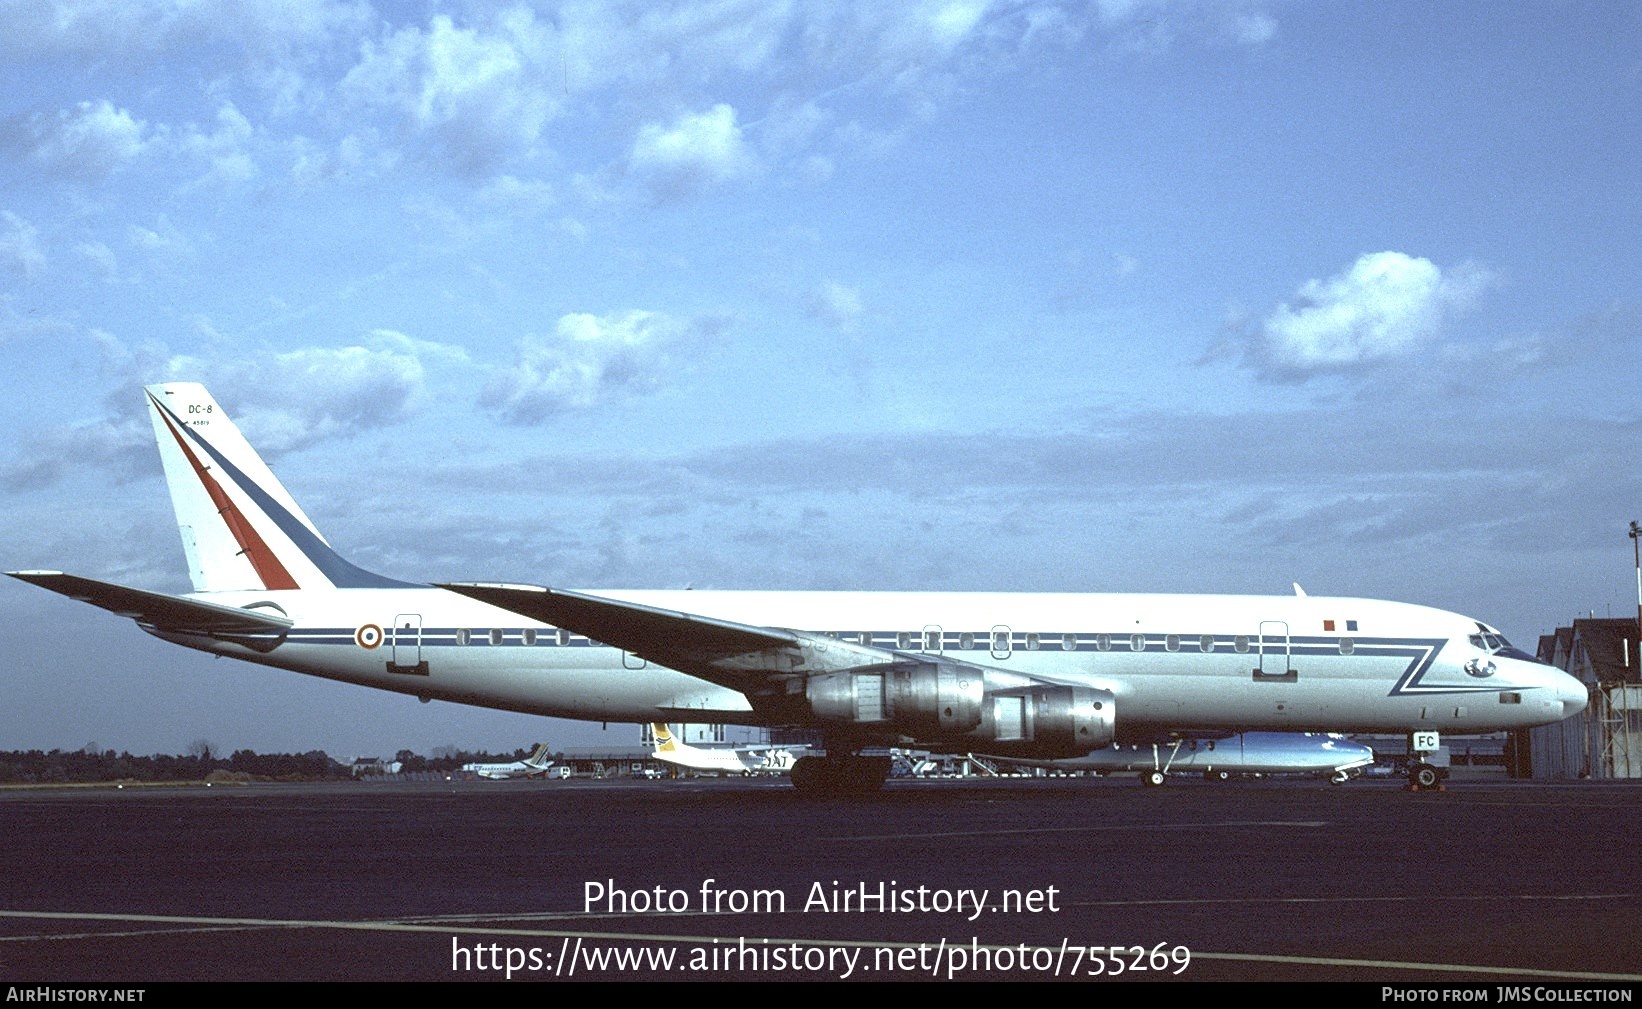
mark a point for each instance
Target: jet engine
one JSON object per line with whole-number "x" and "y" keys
{"x": 952, "y": 704}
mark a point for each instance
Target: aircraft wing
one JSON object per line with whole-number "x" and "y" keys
{"x": 740, "y": 656}
{"x": 164, "y": 612}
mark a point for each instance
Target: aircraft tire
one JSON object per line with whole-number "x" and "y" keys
{"x": 1216, "y": 775}
{"x": 811, "y": 776}
{"x": 1152, "y": 779}
{"x": 862, "y": 775}
{"x": 1424, "y": 776}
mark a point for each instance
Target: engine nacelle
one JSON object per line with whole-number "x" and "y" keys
{"x": 1048, "y": 722}
{"x": 919, "y": 699}
{"x": 948, "y": 704}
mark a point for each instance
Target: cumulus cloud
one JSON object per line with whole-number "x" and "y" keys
{"x": 587, "y": 359}
{"x": 1158, "y": 25}
{"x": 121, "y": 447}
{"x": 20, "y": 253}
{"x": 479, "y": 94}
{"x": 696, "y": 152}
{"x": 88, "y": 141}
{"x": 312, "y": 394}
{"x": 224, "y": 148}
{"x": 1384, "y": 305}
{"x": 282, "y": 401}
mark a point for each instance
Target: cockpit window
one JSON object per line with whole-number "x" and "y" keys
{"x": 1493, "y": 642}
{"x": 1489, "y": 641}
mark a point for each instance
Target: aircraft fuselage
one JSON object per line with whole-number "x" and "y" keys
{"x": 1172, "y": 662}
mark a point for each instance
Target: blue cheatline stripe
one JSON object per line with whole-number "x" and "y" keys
{"x": 1421, "y": 653}
{"x": 341, "y": 573}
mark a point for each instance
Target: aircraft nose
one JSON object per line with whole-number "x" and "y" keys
{"x": 1572, "y": 694}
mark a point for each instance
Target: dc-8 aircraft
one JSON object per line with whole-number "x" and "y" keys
{"x": 1047, "y": 675}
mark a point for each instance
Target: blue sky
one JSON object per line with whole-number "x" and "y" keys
{"x": 1124, "y": 296}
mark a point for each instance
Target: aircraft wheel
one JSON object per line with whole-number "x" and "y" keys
{"x": 862, "y": 775}
{"x": 1424, "y": 776}
{"x": 1216, "y": 775}
{"x": 1339, "y": 778}
{"x": 810, "y": 775}
{"x": 1152, "y": 779}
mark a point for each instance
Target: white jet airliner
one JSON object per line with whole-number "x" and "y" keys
{"x": 536, "y": 763}
{"x": 763, "y": 758}
{"x": 1048, "y": 675}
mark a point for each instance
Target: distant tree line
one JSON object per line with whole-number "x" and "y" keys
{"x": 89, "y": 765}
{"x": 58, "y": 767}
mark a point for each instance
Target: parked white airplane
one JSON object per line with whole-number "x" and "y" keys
{"x": 536, "y": 763}
{"x": 741, "y": 759}
{"x": 1321, "y": 753}
{"x": 1015, "y": 674}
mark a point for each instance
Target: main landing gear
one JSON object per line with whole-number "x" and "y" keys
{"x": 839, "y": 777}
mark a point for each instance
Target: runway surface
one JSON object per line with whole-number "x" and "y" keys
{"x": 1493, "y": 881}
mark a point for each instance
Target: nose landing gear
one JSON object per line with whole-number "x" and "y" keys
{"x": 1423, "y": 775}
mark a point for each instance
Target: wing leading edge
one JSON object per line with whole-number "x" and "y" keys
{"x": 721, "y": 651}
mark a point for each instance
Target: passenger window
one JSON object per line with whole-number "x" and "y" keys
{"x": 966, "y": 640}
{"x": 1206, "y": 643}
{"x": 1347, "y": 646}
{"x": 1031, "y": 642}
{"x": 1241, "y": 642}
{"x": 1137, "y": 642}
{"x": 1103, "y": 642}
{"x": 496, "y": 636}
{"x": 463, "y": 637}
{"x": 1069, "y": 642}
{"x": 530, "y": 635}
{"x": 1172, "y": 642}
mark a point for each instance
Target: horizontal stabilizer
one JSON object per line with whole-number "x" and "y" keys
{"x": 163, "y": 612}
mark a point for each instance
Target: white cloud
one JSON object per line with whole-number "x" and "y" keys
{"x": 1384, "y": 305}
{"x": 88, "y": 141}
{"x": 114, "y": 30}
{"x": 20, "y": 247}
{"x": 164, "y": 243}
{"x": 948, "y": 24}
{"x": 586, "y": 360}
{"x": 480, "y": 95}
{"x": 313, "y": 394}
{"x": 695, "y": 153}
{"x": 224, "y": 148}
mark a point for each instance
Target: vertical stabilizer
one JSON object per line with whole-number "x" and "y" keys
{"x": 538, "y": 759}
{"x": 240, "y": 529}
